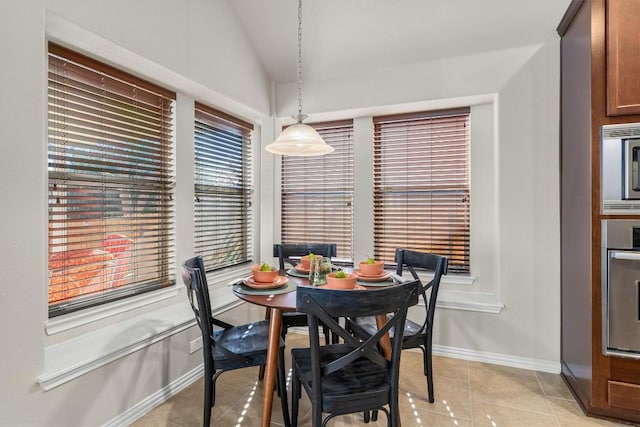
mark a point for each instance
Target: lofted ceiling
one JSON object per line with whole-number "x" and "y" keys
{"x": 351, "y": 37}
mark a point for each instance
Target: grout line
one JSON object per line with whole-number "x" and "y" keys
{"x": 470, "y": 392}
{"x": 546, "y": 398}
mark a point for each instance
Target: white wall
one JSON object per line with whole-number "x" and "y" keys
{"x": 22, "y": 193}
{"x": 192, "y": 47}
{"x": 204, "y": 56}
{"x": 527, "y": 271}
{"x": 514, "y": 178}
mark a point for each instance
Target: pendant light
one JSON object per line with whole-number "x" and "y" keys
{"x": 299, "y": 139}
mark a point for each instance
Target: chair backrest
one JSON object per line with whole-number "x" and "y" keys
{"x": 437, "y": 264}
{"x": 327, "y": 305}
{"x": 195, "y": 280}
{"x": 284, "y": 251}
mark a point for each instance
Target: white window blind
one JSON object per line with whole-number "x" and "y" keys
{"x": 317, "y": 192}
{"x": 223, "y": 188}
{"x": 111, "y": 179}
{"x": 421, "y": 185}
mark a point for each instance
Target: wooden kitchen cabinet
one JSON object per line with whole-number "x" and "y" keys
{"x": 600, "y": 85}
{"x": 623, "y": 57}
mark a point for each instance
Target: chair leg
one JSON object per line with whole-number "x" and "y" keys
{"x": 327, "y": 334}
{"x": 267, "y": 316}
{"x": 316, "y": 414}
{"x": 209, "y": 395}
{"x": 282, "y": 386}
{"x": 393, "y": 417}
{"x": 295, "y": 397}
{"x": 428, "y": 367}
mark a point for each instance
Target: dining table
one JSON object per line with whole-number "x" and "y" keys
{"x": 284, "y": 300}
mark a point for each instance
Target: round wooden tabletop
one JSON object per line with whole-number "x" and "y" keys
{"x": 284, "y": 302}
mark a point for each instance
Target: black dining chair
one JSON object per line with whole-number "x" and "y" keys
{"x": 229, "y": 347}
{"x": 286, "y": 253}
{"x": 415, "y": 335}
{"x": 351, "y": 376}
{"x": 290, "y": 253}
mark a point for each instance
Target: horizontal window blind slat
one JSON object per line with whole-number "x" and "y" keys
{"x": 110, "y": 158}
{"x": 223, "y": 188}
{"x": 60, "y": 53}
{"x": 421, "y": 185}
{"x": 317, "y": 192}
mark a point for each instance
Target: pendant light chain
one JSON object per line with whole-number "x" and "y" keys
{"x": 300, "y": 117}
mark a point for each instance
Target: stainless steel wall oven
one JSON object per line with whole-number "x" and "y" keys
{"x": 621, "y": 287}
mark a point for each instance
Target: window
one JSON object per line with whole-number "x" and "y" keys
{"x": 317, "y": 192}
{"x": 421, "y": 185}
{"x": 110, "y": 167}
{"x": 223, "y": 188}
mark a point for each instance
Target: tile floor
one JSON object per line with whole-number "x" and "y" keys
{"x": 467, "y": 394}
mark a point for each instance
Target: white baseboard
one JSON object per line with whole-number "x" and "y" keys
{"x": 541, "y": 365}
{"x": 532, "y": 364}
{"x": 156, "y": 399}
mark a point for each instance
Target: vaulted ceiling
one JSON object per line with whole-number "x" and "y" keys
{"x": 350, "y": 37}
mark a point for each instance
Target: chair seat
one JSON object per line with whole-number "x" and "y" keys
{"x": 363, "y": 379}
{"x": 369, "y": 327}
{"x": 250, "y": 341}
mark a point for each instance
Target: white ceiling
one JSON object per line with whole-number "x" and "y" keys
{"x": 349, "y": 37}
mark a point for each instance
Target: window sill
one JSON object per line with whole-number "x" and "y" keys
{"x": 73, "y": 320}
{"x": 484, "y": 302}
{"x": 449, "y": 279}
{"x": 73, "y": 358}
{"x": 458, "y": 279}
{"x": 461, "y": 298}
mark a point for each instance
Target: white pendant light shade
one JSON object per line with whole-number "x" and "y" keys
{"x": 299, "y": 140}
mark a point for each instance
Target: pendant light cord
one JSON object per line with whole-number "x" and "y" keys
{"x": 300, "y": 116}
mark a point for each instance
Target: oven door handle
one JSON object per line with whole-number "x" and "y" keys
{"x": 631, "y": 256}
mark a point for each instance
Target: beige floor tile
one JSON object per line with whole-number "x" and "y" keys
{"x": 500, "y": 370}
{"x": 509, "y": 387}
{"x": 493, "y": 415}
{"x": 152, "y": 421}
{"x": 245, "y": 377}
{"x": 353, "y": 420}
{"x": 250, "y": 405}
{"x": 569, "y": 414}
{"x": 451, "y": 395}
{"x": 448, "y": 367}
{"x": 445, "y": 367}
{"x": 553, "y": 385}
{"x": 467, "y": 394}
{"x": 451, "y": 384}
{"x": 421, "y": 418}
